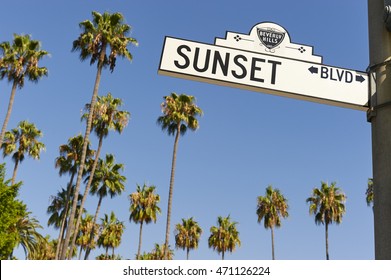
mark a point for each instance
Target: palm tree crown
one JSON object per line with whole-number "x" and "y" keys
{"x": 22, "y": 140}
{"x": 69, "y": 159}
{"x": 327, "y": 204}
{"x": 107, "y": 179}
{"x": 187, "y": 235}
{"x": 83, "y": 238}
{"x": 20, "y": 60}
{"x": 224, "y": 237}
{"x": 179, "y": 114}
{"x": 112, "y": 230}
{"x": 106, "y": 115}
{"x": 107, "y": 30}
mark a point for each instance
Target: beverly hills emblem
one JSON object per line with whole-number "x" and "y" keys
{"x": 270, "y": 37}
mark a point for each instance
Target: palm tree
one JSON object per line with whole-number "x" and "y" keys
{"x": 28, "y": 237}
{"x": 107, "y": 181}
{"x": 271, "y": 208}
{"x": 179, "y": 114}
{"x": 112, "y": 230}
{"x": 106, "y": 31}
{"x": 369, "y": 193}
{"x": 46, "y": 249}
{"x": 187, "y": 235}
{"x": 20, "y": 141}
{"x": 20, "y": 61}
{"x": 83, "y": 238}
{"x": 224, "y": 237}
{"x": 159, "y": 252}
{"x": 59, "y": 210}
{"x": 327, "y": 204}
{"x": 143, "y": 208}
{"x": 68, "y": 163}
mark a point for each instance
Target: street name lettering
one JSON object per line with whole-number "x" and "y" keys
{"x": 239, "y": 66}
{"x": 336, "y": 74}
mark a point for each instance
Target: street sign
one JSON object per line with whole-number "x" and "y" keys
{"x": 265, "y": 61}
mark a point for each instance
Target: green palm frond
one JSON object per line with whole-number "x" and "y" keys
{"x": 327, "y": 204}
{"x": 179, "y": 112}
{"x": 21, "y": 59}
{"x": 144, "y": 205}
{"x": 224, "y": 237}
{"x": 23, "y": 140}
{"x": 103, "y": 32}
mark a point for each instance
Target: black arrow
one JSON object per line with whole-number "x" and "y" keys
{"x": 360, "y": 78}
{"x": 313, "y": 70}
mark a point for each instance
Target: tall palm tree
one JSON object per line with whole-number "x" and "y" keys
{"x": 112, "y": 230}
{"x": 107, "y": 181}
{"x": 143, "y": 208}
{"x": 271, "y": 208}
{"x": 20, "y": 141}
{"x": 19, "y": 61}
{"x": 179, "y": 114}
{"x": 105, "y": 32}
{"x": 187, "y": 235}
{"x": 68, "y": 163}
{"x": 327, "y": 204}
{"x": 224, "y": 237}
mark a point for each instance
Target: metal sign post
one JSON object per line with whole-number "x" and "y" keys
{"x": 380, "y": 117}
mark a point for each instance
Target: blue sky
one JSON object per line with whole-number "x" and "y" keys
{"x": 246, "y": 140}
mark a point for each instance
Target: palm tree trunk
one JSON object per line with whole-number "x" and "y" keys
{"x": 63, "y": 222}
{"x": 272, "y": 231}
{"x": 187, "y": 253}
{"x": 87, "y": 190}
{"x": 172, "y": 178}
{"x": 140, "y": 240}
{"x": 327, "y": 240}
{"x": 15, "y": 171}
{"x": 9, "y": 110}
{"x": 91, "y": 238}
{"x": 222, "y": 255}
{"x": 71, "y": 227}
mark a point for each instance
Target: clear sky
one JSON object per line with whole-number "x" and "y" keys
{"x": 245, "y": 142}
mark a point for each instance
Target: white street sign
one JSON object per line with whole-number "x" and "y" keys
{"x": 265, "y": 61}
